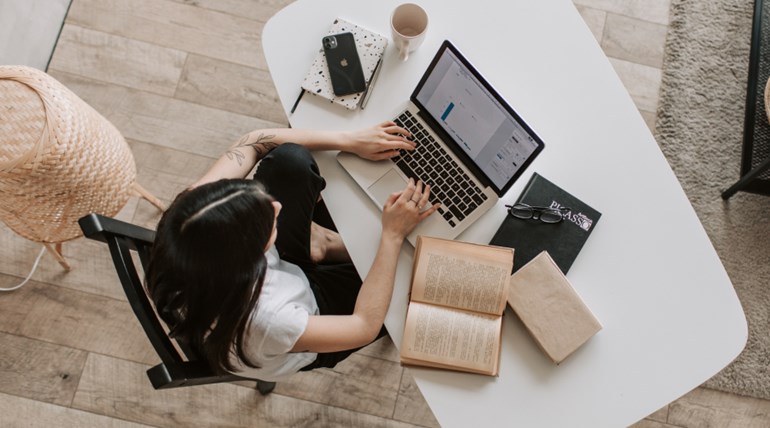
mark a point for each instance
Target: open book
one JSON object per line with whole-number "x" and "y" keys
{"x": 455, "y": 315}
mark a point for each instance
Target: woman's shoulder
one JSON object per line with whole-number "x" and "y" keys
{"x": 278, "y": 325}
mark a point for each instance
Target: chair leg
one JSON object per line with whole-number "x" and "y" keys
{"x": 56, "y": 252}
{"x": 746, "y": 179}
{"x": 142, "y": 192}
{"x": 265, "y": 388}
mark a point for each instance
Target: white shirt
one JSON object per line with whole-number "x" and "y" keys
{"x": 281, "y": 316}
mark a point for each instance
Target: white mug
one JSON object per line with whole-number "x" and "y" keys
{"x": 408, "y": 24}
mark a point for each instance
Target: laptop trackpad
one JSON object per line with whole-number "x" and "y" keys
{"x": 387, "y": 184}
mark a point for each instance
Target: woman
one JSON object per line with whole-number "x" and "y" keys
{"x": 252, "y": 273}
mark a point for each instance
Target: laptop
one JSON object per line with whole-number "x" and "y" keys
{"x": 471, "y": 147}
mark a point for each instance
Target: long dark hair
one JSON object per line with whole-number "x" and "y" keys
{"x": 208, "y": 264}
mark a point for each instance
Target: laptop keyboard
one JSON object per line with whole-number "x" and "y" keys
{"x": 430, "y": 162}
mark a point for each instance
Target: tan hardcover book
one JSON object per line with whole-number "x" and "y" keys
{"x": 455, "y": 315}
{"x": 550, "y": 308}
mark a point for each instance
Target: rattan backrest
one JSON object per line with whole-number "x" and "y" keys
{"x": 59, "y": 158}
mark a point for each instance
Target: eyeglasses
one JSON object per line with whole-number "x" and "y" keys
{"x": 544, "y": 214}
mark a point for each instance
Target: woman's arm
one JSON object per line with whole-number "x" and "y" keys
{"x": 330, "y": 333}
{"x": 378, "y": 142}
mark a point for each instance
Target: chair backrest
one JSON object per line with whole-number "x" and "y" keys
{"x": 176, "y": 369}
{"x": 59, "y": 158}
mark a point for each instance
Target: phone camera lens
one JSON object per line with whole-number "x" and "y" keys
{"x": 329, "y": 42}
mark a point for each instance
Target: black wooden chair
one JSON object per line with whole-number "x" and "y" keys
{"x": 176, "y": 369}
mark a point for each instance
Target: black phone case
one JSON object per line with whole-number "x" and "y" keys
{"x": 344, "y": 64}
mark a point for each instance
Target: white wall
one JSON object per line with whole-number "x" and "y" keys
{"x": 29, "y": 29}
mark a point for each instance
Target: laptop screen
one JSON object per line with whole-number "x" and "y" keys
{"x": 482, "y": 127}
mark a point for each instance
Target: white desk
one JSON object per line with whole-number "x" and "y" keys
{"x": 649, "y": 272}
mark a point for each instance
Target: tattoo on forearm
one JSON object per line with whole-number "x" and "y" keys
{"x": 262, "y": 146}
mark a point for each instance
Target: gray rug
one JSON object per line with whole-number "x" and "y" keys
{"x": 699, "y": 128}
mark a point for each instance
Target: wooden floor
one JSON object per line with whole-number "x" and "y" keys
{"x": 182, "y": 79}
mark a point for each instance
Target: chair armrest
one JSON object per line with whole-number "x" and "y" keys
{"x": 98, "y": 227}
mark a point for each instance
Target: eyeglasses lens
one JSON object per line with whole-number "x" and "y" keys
{"x": 521, "y": 211}
{"x": 551, "y": 216}
{"x": 546, "y": 215}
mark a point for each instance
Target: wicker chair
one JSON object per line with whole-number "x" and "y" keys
{"x": 59, "y": 160}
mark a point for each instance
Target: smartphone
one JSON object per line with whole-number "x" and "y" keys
{"x": 345, "y": 70}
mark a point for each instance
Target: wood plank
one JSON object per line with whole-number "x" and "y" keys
{"x": 595, "y": 19}
{"x": 649, "y": 423}
{"x": 634, "y": 40}
{"x": 230, "y": 87}
{"x": 118, "y": 60}
{"x": 411, "y": 406}
{"x": 117, "y": 388}
{"x": 260, "y": 10}
{"x": 164, "y": 121}
{"x": 38, "y": 370}
{"x": 648, "y": 10}
{"x": 710, "y": 408}
{"x": 641, "y": 81}
{"x": 382, "y": 348}
{"x": 22, "y": 412}
{"x": 649, "y": 118}
{"x": 352, "y": 381}
{"x": 165, "y": 173}
{"x": 657, "y": 419}
{"x": 92, "y": 268}
{"x": 183, "y": 27}
{"x": 75, "y": 319}
{"x": 660, "y": 415}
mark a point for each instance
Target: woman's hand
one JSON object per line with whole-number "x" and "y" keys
{"x": 378, "y": 142}
{"x": 405, "y": 209}
{"x": 402, "y": 212}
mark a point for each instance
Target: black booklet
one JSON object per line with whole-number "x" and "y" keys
{"x": 563, "y": 240}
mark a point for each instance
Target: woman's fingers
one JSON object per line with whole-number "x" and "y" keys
{"x": 425, "y": 197}
{"x": 393, "y": 197}
{"x": 406, "y": 194}
{"x": 392, "y": 129}
{"x": 384, "y": 155}
{"x": 429, "y": 211}
{"x": 417, "y": 195}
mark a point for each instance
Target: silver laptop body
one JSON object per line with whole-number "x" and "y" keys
{"x": 471, "y": 147}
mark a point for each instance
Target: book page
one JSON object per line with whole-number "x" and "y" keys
{"x": 445, "y": 337}
{"x": 461, "y": 275}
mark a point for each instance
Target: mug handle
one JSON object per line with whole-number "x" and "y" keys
{"x": 403, "y": 51}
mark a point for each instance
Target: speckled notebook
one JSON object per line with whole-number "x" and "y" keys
{"x": 371, "y": 46}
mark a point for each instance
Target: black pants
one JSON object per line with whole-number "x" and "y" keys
{"x": 290, "y": 175}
